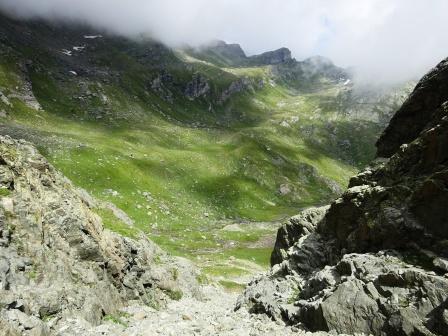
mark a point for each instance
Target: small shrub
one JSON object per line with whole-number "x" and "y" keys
{"x": 294, "y": 296}
{"x": 115, "y": 319}
{"x": 175, "y": 273}
{"x": 4, "y": 192}
{"x": 232, "y": 286}
{"x": 151, "y": 301}
{"x": 175, "y": 294}
{"x": 202, "y": 279}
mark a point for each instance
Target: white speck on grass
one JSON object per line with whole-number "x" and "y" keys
{"x": 92, "y": 37}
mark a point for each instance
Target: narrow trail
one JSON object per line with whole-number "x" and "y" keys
{"x": 191, "y": 317}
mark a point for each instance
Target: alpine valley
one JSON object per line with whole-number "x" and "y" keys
{"x": 142, "y": 188}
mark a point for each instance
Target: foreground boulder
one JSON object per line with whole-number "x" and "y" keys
{"x": 57, "y": 262}
{"x": 376, "y": 260}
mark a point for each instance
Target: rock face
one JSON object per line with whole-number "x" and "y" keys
{"x": 235, "y": 87}
{"x": 278, "y": 56}
{"x": 234, "y": 55}
{"x": 197, "y": 87}
{"x": 375, "y": 260}
{"x": 318, "y": 65}
{"x": 56, "y": 259}
{"x": 418, "y": 112}
{"x": 231, "y": 52}
{"x": 297, "y": 226}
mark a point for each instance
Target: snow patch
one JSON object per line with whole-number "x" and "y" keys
{"x": 92, "y": 37}
{"x": 67, "y": 52}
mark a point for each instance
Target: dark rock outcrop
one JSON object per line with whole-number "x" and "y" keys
{"x": 306, "y": 75}
{"x": 235, "y": 87}
{"x": 376, "y": 261}
{"x": 296, "y": 227}
{"x": 418, "y": 112}
{"x": 197, "y": 87}
{"x": 231, "y": 54}
{"x": 228, "y": 51}
{"x": 278, "y": 56}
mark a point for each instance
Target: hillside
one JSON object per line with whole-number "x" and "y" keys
{"x": 202, "y": 150}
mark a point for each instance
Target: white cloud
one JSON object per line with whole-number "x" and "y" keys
{"x": 384, "y": 39}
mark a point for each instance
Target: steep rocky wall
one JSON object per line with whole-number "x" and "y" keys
{"x": 56, "y": 259}
{"x": 418, "y": 111}
{"x": 375, "y": 261}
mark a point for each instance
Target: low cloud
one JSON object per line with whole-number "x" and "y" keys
{"x": 384, "y": 40}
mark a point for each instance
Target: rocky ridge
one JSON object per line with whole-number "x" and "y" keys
{"x": 278, "y": 56}
{"x": 375, "y": 261}
{"x": 284, "y": 66}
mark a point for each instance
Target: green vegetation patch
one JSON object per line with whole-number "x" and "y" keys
{"x": 4, "y": 192}
{"x": 116, "y": 319}
{"x": 111, "y": 222}
{"x": 232, "y": 286}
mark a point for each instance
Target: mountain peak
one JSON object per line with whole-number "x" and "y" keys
{"x": 223, "y": 53}
{"x": 278, "y": 56}
{"x": 318, "y": 60}
{"x": 231, "y": 52}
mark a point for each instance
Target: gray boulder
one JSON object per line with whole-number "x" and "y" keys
{"x": 294, "y": 229}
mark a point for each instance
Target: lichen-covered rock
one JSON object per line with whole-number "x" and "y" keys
{"x": 379, "y": 294}
{"x": 295, "y": 228}
{"x": 375, "y": 261}
{"x": 376, "y": 294}
{"x": 56, "y": 259}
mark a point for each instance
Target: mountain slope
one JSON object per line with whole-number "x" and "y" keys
{"x": 203, "y": 157}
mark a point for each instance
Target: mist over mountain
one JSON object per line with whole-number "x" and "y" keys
{"x": 152, "y": 154}
{"x": 385, "y": 41}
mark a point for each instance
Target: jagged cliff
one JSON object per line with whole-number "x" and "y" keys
{"x": 57, "y": 262}
{"x": 375, "y": 260}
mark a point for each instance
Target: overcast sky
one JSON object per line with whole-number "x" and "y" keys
{"x": 384, "y": 39}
